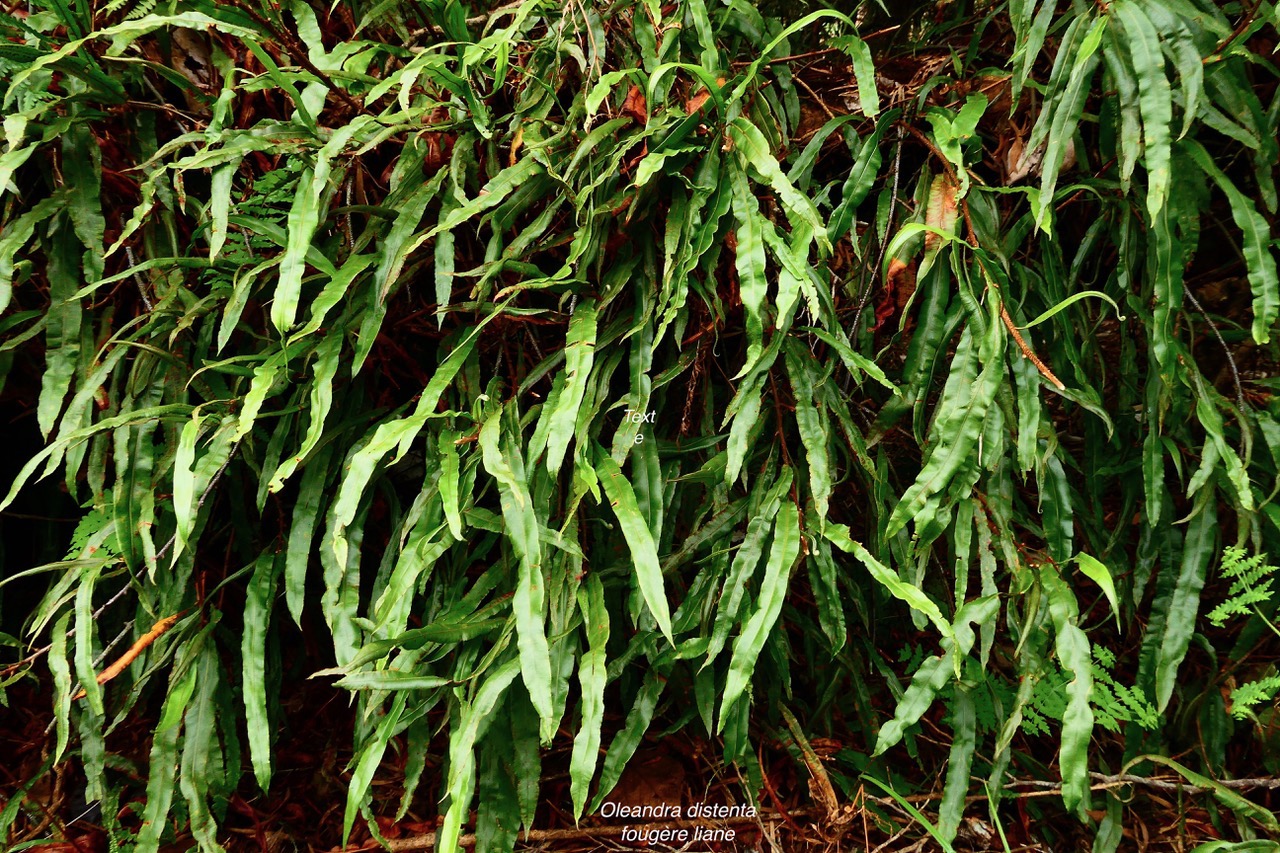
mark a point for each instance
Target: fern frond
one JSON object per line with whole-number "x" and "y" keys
{"x": 1252, "y": 693}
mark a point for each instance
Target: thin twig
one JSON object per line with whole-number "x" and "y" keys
{"x": 1027, "y": 351}
{"x": 138, "y": 647}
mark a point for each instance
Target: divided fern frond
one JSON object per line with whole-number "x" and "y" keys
{"x": 1251, "y": 580}
{"x": 1245, "y": 697}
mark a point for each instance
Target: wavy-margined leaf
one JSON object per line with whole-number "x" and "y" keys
{"x": 644, "y": 552}
{"x": 1077, "y": 721}
{"x": 15, "y": 236}
{"x": 912, "y": 596}
{"x": 579, "y": 355}
{"x": 957, "y": 425}
{"x": 1031, "y": 32}
{"x": 259, "y": 601}
{"x": 62, "y": 327}
{"x": 749, "y": 259}
{"x": 397, "y": 433}
{"x": 163, "y": 762}
{"x": 460, "y": 784}
{"x": 503, "y": 460}
{"x": 1258, "y": 254}
{"x": 1179, "y": 46}
{"x": 813, "y": 425}
{"x": 1155, "y": 98}
{"x": 932, "y": 675}
{"x": 1067, "y": 109}
{"x": 964, "y": 741}
{"x": 773, "y": 589}
{"x": 304, "y": 217}
{"x": 861, "y": 177}
{"x": 1184, "y": 605}
{"x": 755, "y": 150}
{"x": 626, "y": 741}
{"x": 864, "y": 73}
{"x": 591, "y": 676}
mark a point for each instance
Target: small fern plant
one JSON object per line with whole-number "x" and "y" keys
{"x": 1113, "y": 703}
{"x": 1251, "y": 585}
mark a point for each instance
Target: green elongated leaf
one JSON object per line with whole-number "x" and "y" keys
{"x": 744, "y": 423}
{"x": 743, "y": 568}
{"x": 750, "y": 262}
{"x": 824, "y": 581}
{"x": 184, "y": 492}
{"x": 1069, "y": 301}
{"x": 394, "y": 434}
{"x": 449, "y": 481}
{"x": 602, "y": 88}
{"x": 864, "y": 72}
{"x": 626, "y": 741}
{"x": 192, "y": 479}
{"x": 1222, "y": 793}
{"x": 1184, "y": 606}
{"x": 753, "y": 147}
{"x": 853, "y": 360}
{"x": 1179, "y": 45}
{"x": 198, "y": 748}
{"x": 1077, "y": 720}
{"x": 932, "y": 675}
{"x": 644, "y": 552}
{"x": 912, "y": 596}
{"x": 62, "y": 325}
{"x": 1031, "y": 35}
{"x": 326, "y": 368}
{"x": 773, "y": 590}
{"x": 502, "y": 459}
{"x": 1155, "y": 98}
{"x": 220, "y": 206}
{"x": 85, "y": 633}
{"x": 306, "y": 511}
{"x": 367, "y": 763}
{"x": 460, "y": 785}
{"x": 163, "y": 763}
{"x": 259, "y": 602}
{"x": 1057, "y": 509}
{"x": 591, "y": 678}
{"x": 445, "y": 262}
{"x": 264, "y": 380}
{"x": 61, "y": 673}
{"x": 52, "y": 454}
{"x": 1067, "y": 111}
{"x": 498, "y": 806}
{"x": 304, "y": 218}
{"x": 387, "y": 679}
{"x": 332, "y": 293}
{"x": 1097, "y": 571}
{"x": 957, "y": 425}
{"x": 1258, "y": 254}
{"x": 813, "y": 426}
{"x": 579, "y": 354}
{"x": 15, "y": 236}
{"x": 964, "y": 741}
{"x": 1115, "y": 55}
{"x": 861, "y": 177}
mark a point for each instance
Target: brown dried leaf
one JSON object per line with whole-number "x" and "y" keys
{"x": 635, "y": 106}
{"x": 941, "y": 212}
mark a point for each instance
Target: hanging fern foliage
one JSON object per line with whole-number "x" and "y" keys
{"x": 514, "y": 389}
